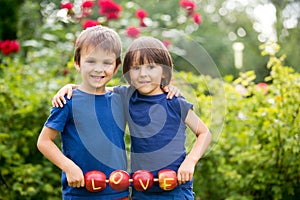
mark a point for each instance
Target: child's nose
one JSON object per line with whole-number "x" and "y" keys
{"x": 100, "y": 68}
{"x": 143, "y": 71}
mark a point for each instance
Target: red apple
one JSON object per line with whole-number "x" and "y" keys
{"x": 142, "y": 180}
{"x": 95, "y": 181}
{"x": 119, "y": 180}
{"x": 167, "y": 179}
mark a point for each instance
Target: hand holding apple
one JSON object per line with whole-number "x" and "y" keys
{"x": 119, "y": 180}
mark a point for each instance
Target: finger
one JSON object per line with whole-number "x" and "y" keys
{"x": 61, "y": 100}
{"x": 70, "y": 184}
{"x": 57, "y": 101}
{"x": 169, "y": 95}
{"x": 179, "y": 179}
{"x": 185, "y": 177}
{"x": 78, "y": 184}
{"x": 177, "y": 94}
{"x": 54, "y": 104}
{"x": 75, "y": 184}
{"x": 166, "y": 89}
{"x": 82, "y": 183}
{"x": 69, "y": 93}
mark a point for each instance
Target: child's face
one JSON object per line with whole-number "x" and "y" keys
{"x": 97, "y": 69}
{"x": 147, "y": 78}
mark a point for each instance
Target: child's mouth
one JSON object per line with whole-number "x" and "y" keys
{"x": 97, "y": 78}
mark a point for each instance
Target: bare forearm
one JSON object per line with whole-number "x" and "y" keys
{"x": 200, "y": 146}
{"x": 53, "y": 153}
{"x": 49, "y": 149}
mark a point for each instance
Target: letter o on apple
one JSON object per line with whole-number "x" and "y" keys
{"x": 142, "y": 180}
{"x": 119, "y": 180}
{"x": 167, "y": 179}
{"x": 95, "y": 181}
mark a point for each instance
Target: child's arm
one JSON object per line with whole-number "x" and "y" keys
{"x": 187, "y": 167}
{"x": 49, "y": 149}
{"x": 172, "y": 91}
{"x": 59, "y": 99}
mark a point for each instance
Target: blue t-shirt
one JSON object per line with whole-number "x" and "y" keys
{"x": 92, "y": 133}
{"x": 157, "y": 131}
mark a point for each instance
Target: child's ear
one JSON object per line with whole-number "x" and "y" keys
{"x": 77, "y": 66}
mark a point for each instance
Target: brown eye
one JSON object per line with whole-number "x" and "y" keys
{"x": 135, "y": 68}
{"x": 90, "y": 61}
{"x": 150, "y": 66}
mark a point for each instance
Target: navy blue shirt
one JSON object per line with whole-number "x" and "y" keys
{"x": 92, "y": 133}
{"x": 157, "y": 130}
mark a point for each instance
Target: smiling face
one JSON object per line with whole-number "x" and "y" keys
{"x": 97, "y": 56}
{"x": 146, "y": 78}
{"x": 147, "y": 65}
{"x": 97, "y": 68}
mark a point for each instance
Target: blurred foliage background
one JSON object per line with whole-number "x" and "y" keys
{"x": 255, "y": 152}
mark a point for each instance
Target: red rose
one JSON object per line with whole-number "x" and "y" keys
{"x": 5, "y": 47}
{"x": 14, "y": 46}
{"x": 189, "y": 6}
{"x": 141, "y": 14}
{"x": 9, "y": 46}
{"x": 110, "y": 9}
{"x": 87, "y": 4}
{"x": 132, "y": 31}
{"x": 89, "y": 23}
{"x": 197, "y": 18}
{"x": 68, "y": 5}
{"x": 112, "y": 15}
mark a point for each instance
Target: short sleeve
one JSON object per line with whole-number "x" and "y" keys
{"x": 58, "y": 118}
{"x": 185, "y": 106}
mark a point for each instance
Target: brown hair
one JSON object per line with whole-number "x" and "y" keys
{"x": 146, "y": 50}
{"x": 98, "y": 36}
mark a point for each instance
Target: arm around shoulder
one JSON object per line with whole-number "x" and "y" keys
{"x": 59, "y": 98}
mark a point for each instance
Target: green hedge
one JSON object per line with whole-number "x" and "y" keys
{"x": 257, "y": 155}
{"x": 24, "y": 105}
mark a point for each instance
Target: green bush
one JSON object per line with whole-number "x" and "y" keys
{"x": 258, "y": 153}
{"x": 24, "y": 105}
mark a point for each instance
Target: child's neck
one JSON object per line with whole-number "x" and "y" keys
{"x": 95, "y": 91}
{"x": 151, "y": 94}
